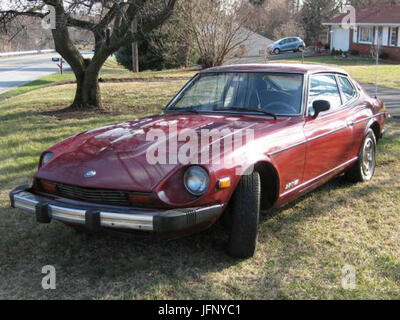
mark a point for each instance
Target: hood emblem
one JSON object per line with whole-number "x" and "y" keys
{"x": 89, "y": 174}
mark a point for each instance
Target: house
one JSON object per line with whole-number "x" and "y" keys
{"x": 380, "y": 22}
{"x": 252, "y": 44}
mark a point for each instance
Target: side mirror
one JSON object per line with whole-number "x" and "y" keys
{"x": 320, "y": 106}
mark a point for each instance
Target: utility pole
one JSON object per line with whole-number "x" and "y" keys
{"x": 135, "y": 51}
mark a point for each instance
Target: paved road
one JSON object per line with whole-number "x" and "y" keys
{"x": 391, "y": 97}
{"x": 16, "y": 71}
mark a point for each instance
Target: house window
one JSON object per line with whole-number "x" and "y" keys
{"x": 393, "y": 36}
{"x": 366, "y": 35}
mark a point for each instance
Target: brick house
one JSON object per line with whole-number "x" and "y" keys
{"x": 381, "y": 21}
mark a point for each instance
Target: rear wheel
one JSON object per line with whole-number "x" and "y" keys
{"x": 364, "y": 169}
{"x": 245, "y": 217}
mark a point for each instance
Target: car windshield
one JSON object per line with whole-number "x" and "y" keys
{"x": 269, "y": 93}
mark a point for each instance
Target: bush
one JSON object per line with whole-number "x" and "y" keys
{"x": 384, "y": 56}
{"x": 355, "y": 52}
{"x": 335, "y": 52}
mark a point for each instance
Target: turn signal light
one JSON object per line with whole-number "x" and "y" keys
{"x": 139, "y": 198}
{"x": 224, "y": 183}
{"x": 48, "y": 186}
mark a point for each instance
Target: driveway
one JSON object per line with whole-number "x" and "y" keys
{"x": 391, "y": 98}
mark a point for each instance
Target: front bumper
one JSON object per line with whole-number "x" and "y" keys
{"x": 94, "y": 218}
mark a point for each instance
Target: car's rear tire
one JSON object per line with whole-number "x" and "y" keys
{"x": 364, "y": 169}
{"x": 277, "y": 51}
{"x": 245, "y": 217}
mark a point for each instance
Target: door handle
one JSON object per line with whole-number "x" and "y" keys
{"x": 350, "y": 124}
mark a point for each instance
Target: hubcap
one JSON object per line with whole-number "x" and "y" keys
{"x": 368, "y": 159}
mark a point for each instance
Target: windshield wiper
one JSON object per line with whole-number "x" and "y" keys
{"x": 249, "y": 110}
{"x": 191, "y": 110}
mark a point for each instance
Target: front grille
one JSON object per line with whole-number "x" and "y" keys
{"x": 101, "y": 196}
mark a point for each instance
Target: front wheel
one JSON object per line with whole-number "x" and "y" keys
{"x": 277, "y": 51}
{"x": 364, "y": 169}
{"x": 245, "y": 217}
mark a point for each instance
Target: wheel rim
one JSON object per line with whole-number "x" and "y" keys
{"x": 368, "y": 158}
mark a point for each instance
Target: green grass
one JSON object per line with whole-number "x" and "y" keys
{"x": 302, "y": 247}
{"x": 363, "y": 70}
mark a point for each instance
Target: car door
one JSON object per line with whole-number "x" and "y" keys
{"x": 284, "y": 45}
{"x": 329, "y": 136}
{"x": 358, "y": 114}
{"x": 293, "y": 44}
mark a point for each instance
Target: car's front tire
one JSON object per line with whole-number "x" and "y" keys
{"x": 245, "y": 217}
{"x": 277, "y": 51}
{"x": 364, "y": 169}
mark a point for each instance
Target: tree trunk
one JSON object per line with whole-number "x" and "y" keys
{"x": 87, "y": 95}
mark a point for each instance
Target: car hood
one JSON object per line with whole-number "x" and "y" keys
{"x": 118, "y": 153}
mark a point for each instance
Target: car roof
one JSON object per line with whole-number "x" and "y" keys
{"x": 277, "y": 67}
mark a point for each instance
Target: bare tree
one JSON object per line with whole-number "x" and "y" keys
{"x": 110, "y": 22}
{"x": 217, "y": 27}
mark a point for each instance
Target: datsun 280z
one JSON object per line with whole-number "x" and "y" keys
{"x": 236, "y": 141}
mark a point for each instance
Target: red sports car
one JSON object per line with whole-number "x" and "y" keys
{"x": 235, "y": 141}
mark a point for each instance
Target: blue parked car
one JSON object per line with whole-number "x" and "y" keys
{"x": 287, "y": 44}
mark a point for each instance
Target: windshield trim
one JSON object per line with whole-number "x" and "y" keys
{"x": 179, "y": 95}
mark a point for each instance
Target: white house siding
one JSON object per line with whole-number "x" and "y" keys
{"x": 385, "y": 41}
{"x": 385, "y": 35}
{"x": 340, "y": 39}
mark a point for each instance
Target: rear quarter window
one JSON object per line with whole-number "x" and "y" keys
{"x": 347, "y": 88}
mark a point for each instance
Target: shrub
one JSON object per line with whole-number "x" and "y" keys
{"x": 384, "y": 56}
{"x": 355, "y": 52}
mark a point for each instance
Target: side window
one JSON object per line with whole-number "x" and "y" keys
{"x": 324, "y": 87}
{"x": 347, "y": 89}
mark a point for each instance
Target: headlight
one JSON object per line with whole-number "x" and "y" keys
{"x": 196, "y": 180}
{"x": 46, "y": 158}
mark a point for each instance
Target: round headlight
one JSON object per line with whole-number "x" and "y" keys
{"x": 46, "y": 158}
{"x": 196, "y": 180}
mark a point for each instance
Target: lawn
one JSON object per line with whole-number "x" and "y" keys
{"x": 302, "y": 247}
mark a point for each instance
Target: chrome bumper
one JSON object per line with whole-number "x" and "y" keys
{"x": 94, "y": 218}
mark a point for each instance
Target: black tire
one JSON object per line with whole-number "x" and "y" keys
{"x": 364, "y": 169}
{"x": 277, "y": 51}
{"x": 245, "y": 217}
